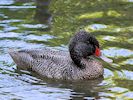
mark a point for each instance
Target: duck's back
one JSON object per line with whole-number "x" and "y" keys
{"x": 47, "y": 62}
{"x": 25, "y": 58}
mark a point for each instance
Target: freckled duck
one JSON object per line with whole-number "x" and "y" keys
{"x": 77, "y": 64}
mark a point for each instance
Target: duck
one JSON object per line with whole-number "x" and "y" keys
{"x": 78, "y": 63}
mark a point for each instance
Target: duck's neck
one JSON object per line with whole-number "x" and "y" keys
{"x": 78, "y": 60}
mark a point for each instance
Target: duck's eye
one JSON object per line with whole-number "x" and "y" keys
{"x": 88, "y": 42}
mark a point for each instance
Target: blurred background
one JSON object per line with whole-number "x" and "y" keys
{"x": 26, "y": 24}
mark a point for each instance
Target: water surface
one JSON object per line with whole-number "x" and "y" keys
{"x": 26, "y": 24}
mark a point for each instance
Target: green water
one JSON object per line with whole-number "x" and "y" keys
{"x": 26, "y": 24}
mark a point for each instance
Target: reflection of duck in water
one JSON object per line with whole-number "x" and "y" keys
{"x": 72, "y": 65}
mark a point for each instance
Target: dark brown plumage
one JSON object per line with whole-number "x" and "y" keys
{"x": 73, "y": 65}
{"x": 82, "y": 45}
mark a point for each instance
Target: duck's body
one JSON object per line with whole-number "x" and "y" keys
{"x": 57, "y": 64}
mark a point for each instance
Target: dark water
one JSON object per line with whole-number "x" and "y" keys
{"x": 45, "y": 23}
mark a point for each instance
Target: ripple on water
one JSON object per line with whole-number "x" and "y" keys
{"x": 6, "y": 2}
{"x": 130, "y": 0}
{"x": 17, "y": 89}
{"x": 117, "y": 52}
{"x": 109, "y": 38}
{"x": 18, "y": 44}
{"x": 10, "y": 21}
{"x": 128, "y": 61}
{"x": 34, "y": 26}
{"x": 98, "y": 26}
{"x": 9, "y": 35}
{"x": 17, "y": 7}
{"x": 44, "y": 37}
{"x": 127, "y": 74}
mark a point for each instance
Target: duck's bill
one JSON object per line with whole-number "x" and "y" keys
{"x": 106, "y": 59}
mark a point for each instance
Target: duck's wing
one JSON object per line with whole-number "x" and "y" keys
{"x": 22, "y": 59}
{"x": 56, "y": 67}
{"x": 45, "y": 53}
{"x": 25, "y": 58}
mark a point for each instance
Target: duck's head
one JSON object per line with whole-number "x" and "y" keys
{"x": 82, "y": 45}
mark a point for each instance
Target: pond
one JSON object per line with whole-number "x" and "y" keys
{"x": 26, "y": 24}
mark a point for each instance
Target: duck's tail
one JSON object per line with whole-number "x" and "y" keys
{"x": 22, "y": 59}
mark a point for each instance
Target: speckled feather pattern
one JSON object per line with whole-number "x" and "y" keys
{"x": 57, "y": 64}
